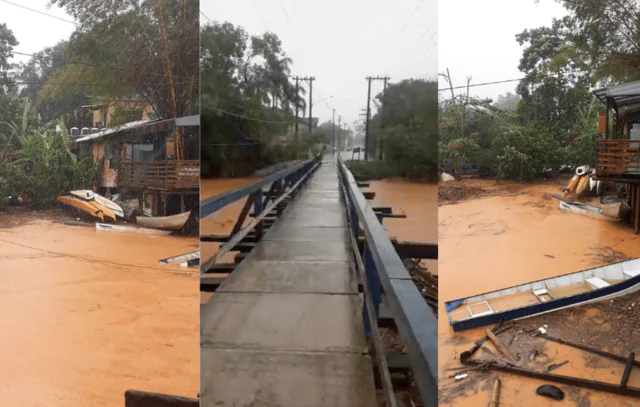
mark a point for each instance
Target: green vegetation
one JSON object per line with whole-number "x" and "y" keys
{"x": 403, "y": 135}
{"x": 551, "y": 124}
{"x": 41, "y": 164}
{"x": 136, "y": 50}
{"x": 248, "y": 102}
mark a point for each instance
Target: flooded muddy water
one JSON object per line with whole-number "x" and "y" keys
{"x": 513, "y": 234}
{"x": 419, "y": 201}
{"x": 88, "y": 315}
{"x": 222, "y": 221}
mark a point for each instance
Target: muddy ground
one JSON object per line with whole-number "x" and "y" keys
{"x": 496, "y": 236}
{"x": 90, "y": 314}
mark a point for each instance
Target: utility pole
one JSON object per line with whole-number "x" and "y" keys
{"x": 339, "y": 129}
{"x": 384, "y": 93}
{"x": 366, "y": 127}
{"x": 333, "y": 132}
{"x": 310, "y": 79}
{"x": 297, "y": 79}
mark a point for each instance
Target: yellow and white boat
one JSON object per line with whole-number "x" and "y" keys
{"x": 81, "y": 205}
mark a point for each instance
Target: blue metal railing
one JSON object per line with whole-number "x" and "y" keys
{"x": 281, "y": 185}
{"x": 385, "y": 277}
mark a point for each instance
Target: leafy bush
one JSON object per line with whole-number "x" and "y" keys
{"x": 46, "y": 166}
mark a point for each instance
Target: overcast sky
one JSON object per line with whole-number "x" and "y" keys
{"x": 340, "y": 42}
{"x": 477, "y": 38}
{"x": 32, "y": 30}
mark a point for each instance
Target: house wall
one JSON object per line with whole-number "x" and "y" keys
{"x": 107, "y": 177}
{"x": 99, "y": 119}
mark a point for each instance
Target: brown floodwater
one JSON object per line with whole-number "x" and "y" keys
{"x": 419, "y": 201}
{"x": 87, "y": 315}
{"x": 222, "y": 221}
{"x": 515, "y": 237}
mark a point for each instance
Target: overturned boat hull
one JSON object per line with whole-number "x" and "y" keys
{"x": 174, "y": 222}
{"x": 81, "y": 205}
{"x": 89, "y": 195}
{"x": 545, "y": 296}
{"x": 107, "y": 213}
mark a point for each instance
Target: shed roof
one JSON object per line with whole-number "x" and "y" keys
{"x": 624, "y": 94}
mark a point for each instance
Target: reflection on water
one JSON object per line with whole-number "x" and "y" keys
{"x": 500, "y": 241}
{"x": 81, "y": 330}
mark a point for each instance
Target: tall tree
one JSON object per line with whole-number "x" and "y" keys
{"x": 554, "y": 89}
{"x": 247, "y": 98}
{"x": 141, "y": 48}
{"x": 407, "y": 124}
{"x": 607, "y": 35}
{"x": 37, "y": 71}
{"x": 7, "y": 42}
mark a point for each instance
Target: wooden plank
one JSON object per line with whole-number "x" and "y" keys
{"x": 500, "y": 346}
{"x": 637, "y": 210}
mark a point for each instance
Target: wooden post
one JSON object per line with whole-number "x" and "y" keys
{"x": 495, "y": 396}
{"x": 636, "y": 209}
{"x": 606, "y": 134}
{"x": 631, "y": 198}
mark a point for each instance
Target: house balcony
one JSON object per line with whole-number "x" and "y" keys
{"x": 618, "y": 160}
{"x": 160, "y": 175}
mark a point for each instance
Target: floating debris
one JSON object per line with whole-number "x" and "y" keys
{"x": 550, "y": 391}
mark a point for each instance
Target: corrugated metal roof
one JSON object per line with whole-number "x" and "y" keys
{"x": 188, "y": 121}
{"x": 624, "y": 94}
{"x": 128, "y": 126}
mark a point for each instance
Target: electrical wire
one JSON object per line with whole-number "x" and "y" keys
{"x": 205, "y": 16}
{"x": 65, "y": 84}
{"x": 39, "y": 12}
{"x": 89, "y": 259}
{"x": 247, "y": 117}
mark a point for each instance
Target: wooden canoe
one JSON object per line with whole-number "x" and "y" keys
{"x": 81, "y": 205}
{"x": 130, "y": 229}
{"x": 89, "y": 195}
{"x": 587, "y": 210}
{"x": 543, "y": 296}
{"x": 174, "y": 222}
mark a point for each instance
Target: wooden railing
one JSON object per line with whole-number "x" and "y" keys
{"x": 165, "y": 175}
{"x": 618, "y": 158}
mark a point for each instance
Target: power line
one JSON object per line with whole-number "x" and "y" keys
{"x": 247, "y": 117}
{"x": 88, "y": 259}
{"x": 259, "y": 15}
{"x": 205, "y": 16}
{"x": 63, "y": 84}
{"x": 411, "y": 16}
{"x": 481, "y": 84}
{"x": 39, "y": 12}
{"x": 284, "y": 11}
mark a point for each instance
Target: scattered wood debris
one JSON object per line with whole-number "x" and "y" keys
{"x": 426, "y": 282}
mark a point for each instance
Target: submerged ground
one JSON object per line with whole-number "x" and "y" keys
{"x": 87, "y": 315}
{"x": 493, "y": 237}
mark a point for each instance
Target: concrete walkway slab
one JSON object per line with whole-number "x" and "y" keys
{"x": 270, "y": 250}
{"x": 286, "y": 328}
{"x": 284, "y": 232}
{"x": 285, "y": 379}
{"x": 293, "y": 322}
{"x": 292, "y": 277}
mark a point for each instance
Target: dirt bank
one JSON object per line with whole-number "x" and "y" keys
{"x": 92, "y": 314}
{"x": 513, "y": 233}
